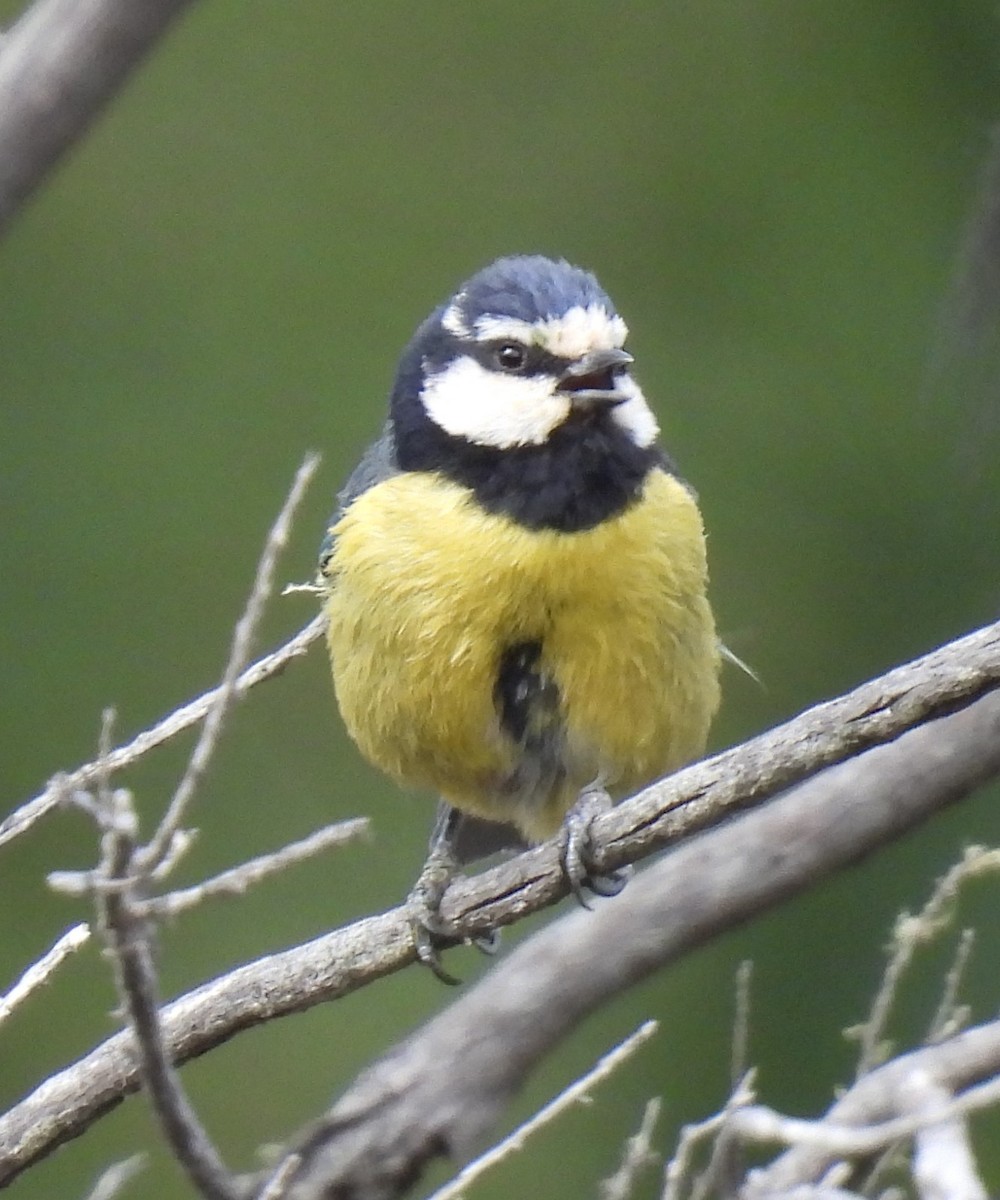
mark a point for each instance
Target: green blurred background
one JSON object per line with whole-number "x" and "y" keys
{"x": 221, "y": 278}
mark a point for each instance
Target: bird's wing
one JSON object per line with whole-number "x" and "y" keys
{"x": 377, "y": 463}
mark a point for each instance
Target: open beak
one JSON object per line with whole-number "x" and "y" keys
{"x": 590, "y": 381}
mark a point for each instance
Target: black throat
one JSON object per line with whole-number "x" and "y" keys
{"x": 586, "y": 471}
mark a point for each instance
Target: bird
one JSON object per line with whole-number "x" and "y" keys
{"x": 515, "y": 578}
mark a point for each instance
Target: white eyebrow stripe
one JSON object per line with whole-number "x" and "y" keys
{"x": 494, "y": 329}
{"x": 570, "y": 335}
{"x": 453, "y": 321}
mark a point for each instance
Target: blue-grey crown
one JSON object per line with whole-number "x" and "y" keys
{"x": 529, "y": 287}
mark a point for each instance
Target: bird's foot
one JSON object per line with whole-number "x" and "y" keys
{"x": 430, "y": 932}
{"x": 577, "y": 848}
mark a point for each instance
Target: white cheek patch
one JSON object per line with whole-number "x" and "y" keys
{"x": 574, "y": 333}
{"x": 634, "y": 414}
{"x": 468, "y": 401}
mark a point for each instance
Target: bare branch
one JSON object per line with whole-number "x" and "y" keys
{"x": 21, "y": 820}
{"x": 874, "y": 713}
{"x": 910, "y": 933}
{"x": 39, "y": 973}
{"x": 415, "y": 1104}
{"x": 539, "y": 993}
{"x": 866, "y": 1117}
{"x": 577, "y": 1093}
{"x": 60, "y": 64}
{"x": 237, "y": 880}
{"x": 943, "y": 1164}
{"x": 126, "y": 871}
{"x": 233, "y": 882}
{"x": 130, "y": 939}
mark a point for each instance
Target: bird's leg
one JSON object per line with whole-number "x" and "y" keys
{"x": 577, "y": 847}
{"x": 426, "y": 895}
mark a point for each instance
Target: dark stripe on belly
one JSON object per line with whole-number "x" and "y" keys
{"x": 527, "y": 699}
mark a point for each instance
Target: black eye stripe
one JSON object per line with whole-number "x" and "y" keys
{"x": 539, "y": 361}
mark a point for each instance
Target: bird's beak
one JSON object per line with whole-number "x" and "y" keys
{"x": 590, "y": 381}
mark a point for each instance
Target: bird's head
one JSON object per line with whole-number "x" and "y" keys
{"x": 526, "y": 347}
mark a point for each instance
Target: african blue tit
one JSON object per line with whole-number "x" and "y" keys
{"x": 515, "y": 578}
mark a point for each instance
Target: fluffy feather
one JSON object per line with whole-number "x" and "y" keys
{"x": 428, "y": 592}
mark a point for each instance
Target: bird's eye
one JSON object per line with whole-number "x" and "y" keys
{"x": 510, "y": 356}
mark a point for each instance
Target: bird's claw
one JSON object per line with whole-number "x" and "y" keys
{"x": 430, "y": 932}
{"x": 577, "y": 849}
{"x": 424, "y": 901}
{"x": 427, "y": 944}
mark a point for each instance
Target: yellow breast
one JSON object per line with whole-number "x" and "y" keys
{"x": 426, "y": 592}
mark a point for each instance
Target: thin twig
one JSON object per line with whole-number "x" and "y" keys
{"x": 638, "y": 1155}
{"x": 239, "y": 654}
{"x": 181, "y": 719}
{"x": 763, "y": 1125}
{"x": 233, "y": 882}
{"x": 577, "y": 1093}
{"x": 40, "y": 972}
{"x": 725, "y": 1163}
{"x": 237, "y": 880}
{"x": 868, "y": 1112}
{"x": 103, "y": 806}
{"x": 910, "y": 933}
{"x": 678, "y": 1170}
{"x": 276, "y": 1187}
{"x": 129, "y": 938}
{"x": 111, "y": 1181}
{"x": 951, "y": 1016}
{"x": 129, "y": 870}
{"x": 738, "y": 1065}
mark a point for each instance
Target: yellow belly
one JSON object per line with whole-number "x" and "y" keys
{"x": 426, "y": 592}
